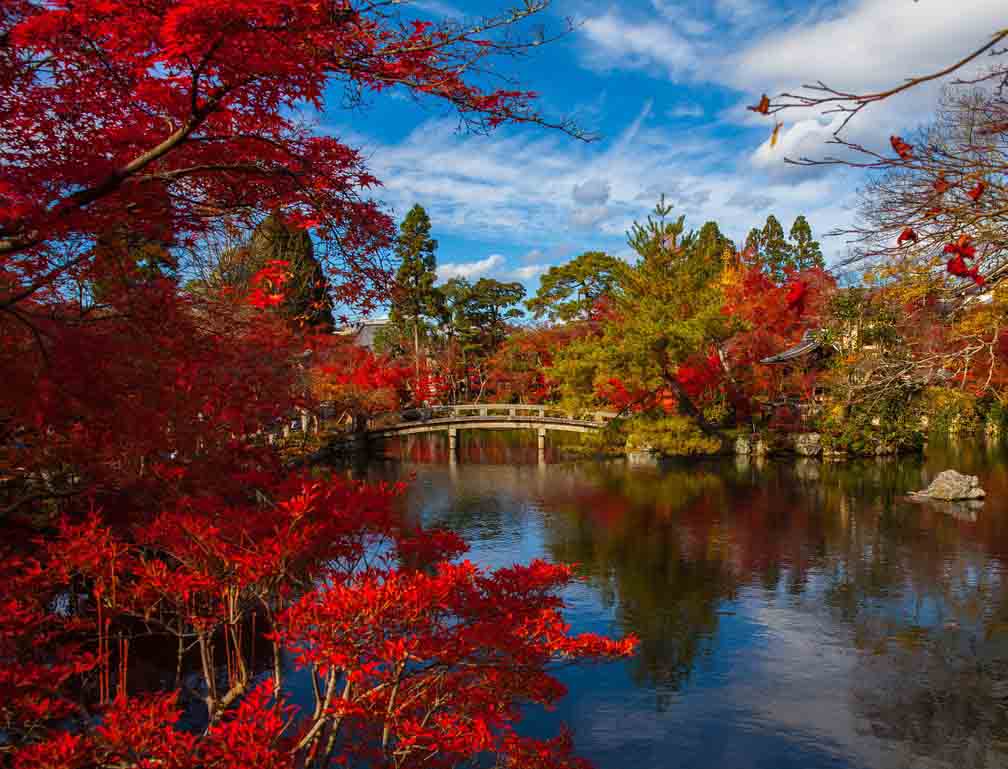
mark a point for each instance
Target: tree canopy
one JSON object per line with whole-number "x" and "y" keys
{"x": 142, "y": 501}
{"x": 783, "y": 256}
{"x": 572, "y": 291}
{"x": 666, "y": 312}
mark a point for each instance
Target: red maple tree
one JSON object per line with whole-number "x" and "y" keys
{"x": 139, "y": 503}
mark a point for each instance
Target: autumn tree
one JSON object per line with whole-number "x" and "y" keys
{"x": 140, "y": 503}
{"x": 930, "y": 219}
{"x": 133, "y": 254}
{"x": 666, "y": 313}
{"x": 519, "y": 370}
{"x": 769, "y": 318}
{"x": 572, "y": 291}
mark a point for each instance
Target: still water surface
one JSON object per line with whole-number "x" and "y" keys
{"x": 791, "y": 614}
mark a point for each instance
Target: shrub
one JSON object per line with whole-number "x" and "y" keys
{"x": 887, "y": 426}
{"x": 670, "y": 435}
{"x": 950, "y": 410}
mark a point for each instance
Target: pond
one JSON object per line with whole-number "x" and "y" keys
{"x": 791, "y": 613}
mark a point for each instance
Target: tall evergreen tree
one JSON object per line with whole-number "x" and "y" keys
{"x": 780, "y": 256}
{"x": 712, "y": 243}
{"x": 806, "y": 250}
{"x": 306, "y": 300}
{"x": 570, "y": 291}
{"x": 414, "y": 296}
{"x": 306, "y": 293}
{"x": 668, "y": 311}
{"x": 774, "y": 248}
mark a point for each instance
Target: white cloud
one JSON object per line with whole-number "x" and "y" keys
{"x": 528, "y": 272}
{"x": 874, "y": 43}
{"x": 686, "y": 21}
{"x": 752, "y": 201}
{"x": 437, "y": 8}
{"x": 469, "y": 270}
{"x": 613, "y": 42}
{"x": 856, "y": 46}
{"x": 685, "y": 110}
{"x": 589, "y": 216}
{"x": 593, "y": 192}
{"x": 515, "y": 188}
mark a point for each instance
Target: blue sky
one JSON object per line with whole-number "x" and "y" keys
{"x": 664, "y": 84}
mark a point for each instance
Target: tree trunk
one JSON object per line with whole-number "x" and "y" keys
{"x": 416, "y": 351}
{"x": 686, "y": 405}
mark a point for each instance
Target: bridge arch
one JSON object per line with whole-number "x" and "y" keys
{"x": 485, "y": 416}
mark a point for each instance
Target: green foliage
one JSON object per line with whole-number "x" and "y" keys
{"x": 414, "y": 297}
{"x": 861, "y": 318}
{"x": 950, "y": 411}
{"x": 306, "y": 291}
{"x": 570, "y": 291}
{"x": 610, "y": 441}
{"x": 477, "y": 315}
{"x": 805, "y": 250}
{"x": 886, "y": 426}
{"x": 993, "y": 411}
{"x": 667, "y": 307}
{"x": 782, "y": 255}
{"x": 669, "y": 435}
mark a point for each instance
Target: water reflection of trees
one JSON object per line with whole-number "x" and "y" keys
{"x": 663, "y": 580}
{"x": 914, "y": 589}
{"x": 667, "y": 549}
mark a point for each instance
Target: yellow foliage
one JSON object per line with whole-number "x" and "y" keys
{"x": 673, "y": 436}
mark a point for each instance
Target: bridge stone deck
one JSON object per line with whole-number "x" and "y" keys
{"x": 488, "y": 416}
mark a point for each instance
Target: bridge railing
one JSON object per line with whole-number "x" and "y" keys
{"x": 515, "y": 411}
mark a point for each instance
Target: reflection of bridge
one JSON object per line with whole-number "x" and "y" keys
{"x": 485, "y": 416}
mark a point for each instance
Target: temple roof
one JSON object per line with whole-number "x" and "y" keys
{"x": 809, "y": 343}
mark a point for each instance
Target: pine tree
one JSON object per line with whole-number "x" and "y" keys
{"x": 807, "y": 253}
{"x": 306, "y": 295}
{"x": 306, "y": 302}
{"x": 570, "y": 291}
{"x": 776, "y": 251}
{"x": 414, "y": 297}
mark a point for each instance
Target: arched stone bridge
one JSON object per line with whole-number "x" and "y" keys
{"x": 485, "y": 416}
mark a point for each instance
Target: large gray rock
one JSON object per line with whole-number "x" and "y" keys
{"x": 808, "y": 444}
{"x": 952, "y": 485}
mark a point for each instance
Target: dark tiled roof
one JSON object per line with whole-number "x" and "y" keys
{"x": 809, "y": 343}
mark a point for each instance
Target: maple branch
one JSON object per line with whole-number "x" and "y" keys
{"x": 841, "y": 99}
{"x": 114, "y": 180}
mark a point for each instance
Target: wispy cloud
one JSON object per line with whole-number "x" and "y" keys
{"x": 469, "y": 270}
{"x": 611, "y": 41}
{"x": 685, "y": 110}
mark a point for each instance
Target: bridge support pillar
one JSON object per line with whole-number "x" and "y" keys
{"x": 452, "y": 442}
{"x": 542, "y": 445}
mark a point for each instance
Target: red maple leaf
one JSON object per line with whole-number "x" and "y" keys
{"x": 904, "y": 150}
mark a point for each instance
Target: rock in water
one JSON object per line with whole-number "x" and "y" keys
{"x": 952, "y": 485}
